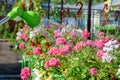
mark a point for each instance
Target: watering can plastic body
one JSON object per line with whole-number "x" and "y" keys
{"x": 31, "y": 18}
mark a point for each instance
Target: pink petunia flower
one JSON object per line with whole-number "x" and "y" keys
{"x": 37, "y": 50}
{"x": 85, "y": 34}
{"x": 25, "y": 73}
{"x": 100, "y": 54}
{"x": 93, "y": 71}
{"x": 22, "y": 46}
{"x": 52, "y": 63}
{"x": 61, "y": 40}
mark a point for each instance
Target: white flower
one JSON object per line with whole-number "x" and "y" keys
{"x": 32, "y": 34}
{"x": 107, "y": 49}
{"x": 18, "y": 33}
{"x": 112, "y": 46}
{"x": 118, "y": 73}
{"x": 114, "y": 42}
{"x": 39, "y": 74}
{"x": 116, "y": 46}
{"x": 106, "y": 44}
{"x": 110, "y": 42}
{"x": 107, "y": 57}
{"x": 18, "y": 38}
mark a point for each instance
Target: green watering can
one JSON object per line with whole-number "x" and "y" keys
{"x": 31, "y": 18}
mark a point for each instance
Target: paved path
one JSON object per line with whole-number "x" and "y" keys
{"x": 9, "y": 64}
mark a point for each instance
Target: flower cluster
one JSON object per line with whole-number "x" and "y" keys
{"x": 85, "y": 34}
{"x": 36, "y": 50}
{"x": 69, "y": 54}
{"x": 111, "y": 45}
{"x": 25, "y": 73}
{"x": 52, "y": 62}
{"x": 93, "y": 71}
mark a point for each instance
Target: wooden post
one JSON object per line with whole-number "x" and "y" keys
{"x": 61, "y": 10}
{"x": 89, "y": 16}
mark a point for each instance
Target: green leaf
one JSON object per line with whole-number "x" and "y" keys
{"x": 83, "y": 75}
{"x": 43, "y": 41}
{"x": 59, "y": 77}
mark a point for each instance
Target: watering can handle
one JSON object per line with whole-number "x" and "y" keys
{"x": 4, "y": 20}
{"x": 12, "y": 14}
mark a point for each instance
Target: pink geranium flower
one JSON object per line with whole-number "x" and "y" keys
{"x": 25, "y": 27}
{"x": 99, "y": 43}
{"x": 37, "y": 50}
{"x": 100, "y": 34}
{"x": 112, "y": 39}
{"x": 93, "y": 71}
{"x": 79, "y": 45}
{"x": 89, "y": 42}
{"x": 107, "y": 39}
{"x": 72, "y": 34}
{"x": 24, "y": 36}
{"x": 54, "y": 51}
{"x": 25, "y": 73}
{"x": 57, "y": 33}
{"x": 52, "y": 63}
{"x": 22, "y": 46}
{"x": 61, "y": 40}
{"x": 65, "y": 49}
{"x": 85, "y": 34}
{"x": 33, "y": 40}
{"x": 100, "y": 54}
{"x": 26, "y": 39}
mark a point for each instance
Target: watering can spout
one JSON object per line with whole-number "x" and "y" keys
{"x": 4, "y": 20}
